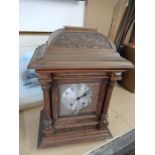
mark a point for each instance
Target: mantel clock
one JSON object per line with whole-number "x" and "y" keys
{"x": 77, "y": 69}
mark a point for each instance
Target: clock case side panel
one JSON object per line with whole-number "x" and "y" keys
{"x": 79, "y": 121}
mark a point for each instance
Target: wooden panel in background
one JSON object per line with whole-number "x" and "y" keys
{"x": 118, "y": 13}
{"x": 99, "y": 14}
{"x": 105, "y": 15}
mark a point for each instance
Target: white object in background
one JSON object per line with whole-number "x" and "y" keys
{"x": 29, "y": 90}
{"x": 32, "y": 39}
{"x": 49, "y": 15}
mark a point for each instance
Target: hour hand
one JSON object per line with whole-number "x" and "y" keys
{"x": 85, "y": 94}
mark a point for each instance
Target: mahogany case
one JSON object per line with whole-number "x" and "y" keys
{"x": 76, "y": 55}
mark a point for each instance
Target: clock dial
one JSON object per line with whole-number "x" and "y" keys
{"x": 77, "y": 98}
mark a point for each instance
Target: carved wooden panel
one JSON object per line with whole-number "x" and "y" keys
{"x": 82, "y": 40}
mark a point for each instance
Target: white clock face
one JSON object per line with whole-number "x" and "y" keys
{"x": 76, "y": 97}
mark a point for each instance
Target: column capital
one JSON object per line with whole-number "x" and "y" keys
{"x": 115, "y": 76}
{"x": 43, "y": 76}
{"x": 46, "y": 85}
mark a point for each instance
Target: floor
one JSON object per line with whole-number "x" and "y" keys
{"x": 121, "y": 120}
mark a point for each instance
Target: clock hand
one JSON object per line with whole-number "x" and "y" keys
{"x": 85, "y": 94}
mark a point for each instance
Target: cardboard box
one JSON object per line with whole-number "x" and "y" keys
{"x": 128, "y": 81}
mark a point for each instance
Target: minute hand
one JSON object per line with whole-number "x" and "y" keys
{"x": 85, "y": 94}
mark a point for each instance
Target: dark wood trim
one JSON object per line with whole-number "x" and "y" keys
{"x": 33, "y": 33}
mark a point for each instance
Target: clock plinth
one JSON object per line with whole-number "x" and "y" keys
{"x": 77, "y": 69}
{"x": 70, "y": 137}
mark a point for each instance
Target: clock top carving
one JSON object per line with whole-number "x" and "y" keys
{"x": 79, "y": 38}
{"x": 77, "y": 48}
{"x": 82, "y": 40}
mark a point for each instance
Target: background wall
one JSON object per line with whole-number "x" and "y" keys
{"x": 49, "y": 15}
{"x": 32, "y": 39}
{"x": 99, "y": 14}
{"x": 105, "y": 15}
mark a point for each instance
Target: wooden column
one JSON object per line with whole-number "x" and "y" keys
{"x": 112, "y": 81}
{"x": 47, "y": 112}
{"x": 46, "y": 84}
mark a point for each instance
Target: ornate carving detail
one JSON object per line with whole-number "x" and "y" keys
{"x": 44, "y": 77}
{"x": 45, "y": 85}
{"x": 103, "y": 116}
{"x": 47, "y": 124}
{"x": 82, "y": 40}
{"x": 104, "y": 119}
{"x": 74, "y": 127}
{"x": 84, "y": 124}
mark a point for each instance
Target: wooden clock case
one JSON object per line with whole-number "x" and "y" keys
{"x": 76, "y": 55}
